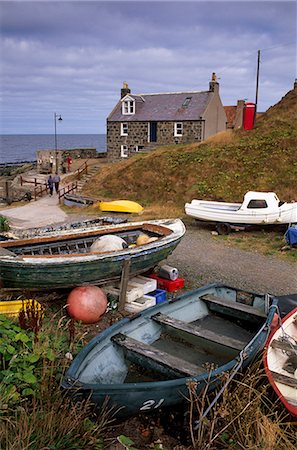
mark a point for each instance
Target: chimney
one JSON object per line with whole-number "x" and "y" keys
{"x": 213, "y": 84}
{"x": 125, "y": 89}
{"x": 295, "y": 83}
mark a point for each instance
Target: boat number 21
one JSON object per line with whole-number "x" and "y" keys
{"x": 151, "y": 404}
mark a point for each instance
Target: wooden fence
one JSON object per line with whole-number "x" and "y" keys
{"x": 40, "y": 190}
{"x": 83, "y": 169}
{"x": 66, "y": 190}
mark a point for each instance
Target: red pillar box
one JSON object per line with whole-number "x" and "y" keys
{"x": 249, "y": 116}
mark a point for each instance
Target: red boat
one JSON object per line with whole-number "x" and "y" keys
{"x": 280, "y": 361}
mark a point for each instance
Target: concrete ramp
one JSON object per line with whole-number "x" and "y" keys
{"x": 43, "y": 212}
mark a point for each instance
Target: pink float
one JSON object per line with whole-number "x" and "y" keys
{"x": 86, "y": 303}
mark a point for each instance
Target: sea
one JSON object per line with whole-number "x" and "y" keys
{"x": 16, "y": 148}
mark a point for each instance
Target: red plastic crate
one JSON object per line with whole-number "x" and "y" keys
{"x": 169, "y": 285}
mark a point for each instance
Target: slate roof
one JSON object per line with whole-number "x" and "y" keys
{"x": 167, "y": 106}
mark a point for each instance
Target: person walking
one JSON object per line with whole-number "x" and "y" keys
{"x": 51, "y": 161}
{"x": 56, "y": 181}
{"x": 50, "y": 183}
{"x": 69, "y": 162}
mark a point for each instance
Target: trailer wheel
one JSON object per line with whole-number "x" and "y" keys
{"x": 223, "y": 228}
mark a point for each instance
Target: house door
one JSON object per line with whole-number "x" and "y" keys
{"x": 153, "y": 132}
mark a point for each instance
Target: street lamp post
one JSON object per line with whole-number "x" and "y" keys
{"x": 56, "y": 147}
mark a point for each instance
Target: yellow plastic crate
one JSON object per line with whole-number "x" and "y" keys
{"x": 13, "y": 307}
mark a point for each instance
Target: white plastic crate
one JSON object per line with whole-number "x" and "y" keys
{"x": 147, "y": 284}
{"x": 140, "y": 304}
{"x": 133, "y": 292}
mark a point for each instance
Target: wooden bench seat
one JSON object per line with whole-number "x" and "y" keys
{"x": 284, "y": 379}
{"x": 283, "y": 345}
{"x": 162, "y": 361}
{"x": 234, "y": 305}
{"x": 200, "y": 332}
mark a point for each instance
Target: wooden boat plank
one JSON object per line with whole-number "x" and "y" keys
{"x": 177, "y": 365}
{"x": 234, "y": 305}
{"x": 284, "y": 379}
{"x": 283, "y": 345}
{"x": 199, "y": 332}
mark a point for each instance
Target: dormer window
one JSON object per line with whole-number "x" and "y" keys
{"x": 187, "y": 101}
{"x": 128, "y": 106}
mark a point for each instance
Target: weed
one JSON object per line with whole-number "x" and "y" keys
{"x": 4, "y": 224}
{"x": 246, "y": 417}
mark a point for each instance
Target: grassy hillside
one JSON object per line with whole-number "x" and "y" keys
{"x": 223, "y": 168}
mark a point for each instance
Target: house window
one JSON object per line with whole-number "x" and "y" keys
{"x": 178, "y": 129}
{"x": 128, "y": 107}
{"x": 138, "y": 148}
{"x": 124, "y": 129}
{"x": 124, "y": 151}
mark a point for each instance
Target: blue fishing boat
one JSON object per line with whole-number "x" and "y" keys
{"x": 145, "y": 362}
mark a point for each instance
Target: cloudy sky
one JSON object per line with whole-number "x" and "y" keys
{"x": 71, "y": 57}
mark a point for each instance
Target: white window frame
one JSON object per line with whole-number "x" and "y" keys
{"x": 124, "y": 151}
{"x": 124, "y": 129}
{"x": 136, "y": 148}
{"x": 178, "y": 129}
{"x": 128, "y": 107}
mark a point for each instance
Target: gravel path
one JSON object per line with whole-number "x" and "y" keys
{"x": 201, "y": 259}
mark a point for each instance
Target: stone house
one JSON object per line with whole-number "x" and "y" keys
{"x": 141, "y": 122}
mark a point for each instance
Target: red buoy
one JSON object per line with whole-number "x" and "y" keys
{"x": 86, "y": 303}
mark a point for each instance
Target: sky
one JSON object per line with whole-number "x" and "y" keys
{"x": 72, "y": 57}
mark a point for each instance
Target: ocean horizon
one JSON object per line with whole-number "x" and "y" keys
{"x": 23, "y": 147}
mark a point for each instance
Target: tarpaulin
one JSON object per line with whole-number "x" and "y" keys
{"x": 291, "y": 236}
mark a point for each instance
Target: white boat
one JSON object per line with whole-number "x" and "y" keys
{"x": 280, "y": 362}
{"x": 257, "y": 208}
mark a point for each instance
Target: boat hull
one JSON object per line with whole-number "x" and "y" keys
{"x": 61, "y": 271}
{"x": 121, "y": 206}
{"x": 280, "y": 362}
{"x": 240, "y": 218}
{"x": 131, "y": 398}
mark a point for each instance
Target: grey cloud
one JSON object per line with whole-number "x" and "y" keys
{"x": 74, "y": 56}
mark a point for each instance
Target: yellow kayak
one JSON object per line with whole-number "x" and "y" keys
{"x": 123, "y": 206}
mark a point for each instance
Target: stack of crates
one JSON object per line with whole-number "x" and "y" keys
{"x": 141, "y": 293}
{"x": 168, "y": 285}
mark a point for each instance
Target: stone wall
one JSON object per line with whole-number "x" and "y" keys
{"x": 138, "y": 136}
{"x": 44, "y": 158}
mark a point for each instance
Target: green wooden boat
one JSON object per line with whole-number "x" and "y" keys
{"x": 65, "y": 260}
{"x": 145, "y": 362}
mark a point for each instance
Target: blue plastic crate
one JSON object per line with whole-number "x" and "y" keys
{"x": 159, "y": 294}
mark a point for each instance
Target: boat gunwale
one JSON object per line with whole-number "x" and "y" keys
{"x": 145, "y": 226}
{"x": 164, "y": 241}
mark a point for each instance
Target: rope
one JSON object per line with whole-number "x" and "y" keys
{"x": 285, "y": 336}
{"x": 241, "y": 357}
